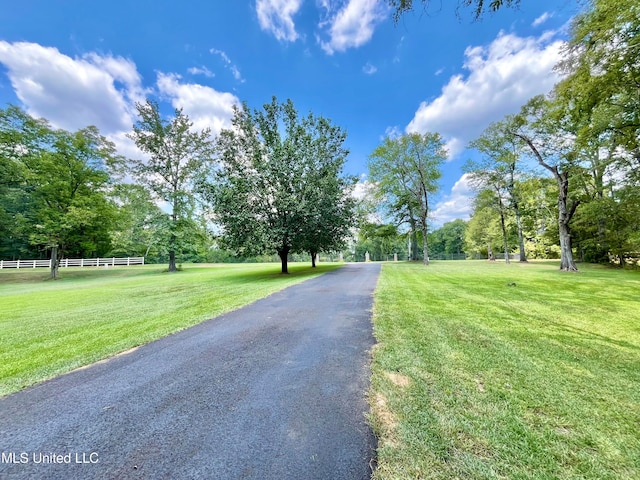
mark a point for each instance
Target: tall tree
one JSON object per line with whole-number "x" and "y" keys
{"x": 279, "y": 187}
{"x": 327, "y": 194}
{"x": 600, "y": 98}
{"x": 407, "y": 170}
{"x": 498, "y": 170}
{"x": 177, "y": 158}
{"x": 58, "y": 193}
{"x": 392, "y": 182}
{"x": 73, "y": 212}
{"x": 539, "y": 126}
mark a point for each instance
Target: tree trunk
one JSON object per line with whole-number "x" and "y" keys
{"x": 414, "y": 238}
{"x": 54, "y": 263}
{"x": 567, "y": 262}
{"x": 566, "y": 255}
{"x": 564, "y": 216}
{"x": 523, "y": 255}
{"x": 425, "y": 245}
{"x": 172, "y": 261}
{"x": 283, "y": 253}
{"x": 313, "y": 259}
{"x": 172, "y": 242}
{"x": 490, "y": 255}
{"x": 504, "y": 231}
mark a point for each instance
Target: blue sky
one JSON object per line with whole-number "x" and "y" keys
{"x": 80, "y": 63}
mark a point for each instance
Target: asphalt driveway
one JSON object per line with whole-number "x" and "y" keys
{"x": 275, "y": 390}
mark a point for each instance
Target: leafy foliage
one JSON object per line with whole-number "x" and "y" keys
{"x": 406, "y": 171}
{"x": 177, "y": 159}
{"x": 56, "y": 193}
{"x": 279, "y": 187}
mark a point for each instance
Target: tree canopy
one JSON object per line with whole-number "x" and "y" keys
{"x": 406, "y": 171}
{"x": 177, "y": 158}
{"x": 55, "y": 193}
{"x": 279, "y": 186}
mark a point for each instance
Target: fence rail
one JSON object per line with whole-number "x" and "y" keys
{"x": 74, "y": 262}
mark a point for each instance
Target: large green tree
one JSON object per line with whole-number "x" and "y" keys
{"x": 599, "y": 97}
{"x": 540, "y": 125}
{"x": 327, "y": 194}
{"x": 177, "y": 158}
{"x": 391, "y": 177}
{"x": 499, "y": 169}
{"x": 280, "y": 185}
{"x": 406, "y": 170}
{"x": 62, "y": 179}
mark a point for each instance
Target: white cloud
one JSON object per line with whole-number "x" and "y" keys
{"x": 276, "y": 16}
{"x": 352, "y": 25}
{"x": 363, "y": 188}
{"x": 458, "y": 204}
{"x": 369, "y": 69}
{"x": 391, "y": 132}
{"x": 101, "y": 90}
{"x": 236, "y": 73}
{"x": 205, "y": 106}
{"x": 201, "y": 71}
{"x": 234, "y": 70}
{"x": 541, "y": 19}
{"x": 222, "y": 54}
{"x": 501, "y": 78}
{"x": 73, "y": 93}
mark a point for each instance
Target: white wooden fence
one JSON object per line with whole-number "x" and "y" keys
{"x": 73, "y": 262}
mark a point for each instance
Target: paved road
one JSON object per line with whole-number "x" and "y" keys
{"x": 274, "y": 390}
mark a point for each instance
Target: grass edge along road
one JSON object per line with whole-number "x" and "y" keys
{"x": 48, "y": 328}
{"x": 486, "y": 370}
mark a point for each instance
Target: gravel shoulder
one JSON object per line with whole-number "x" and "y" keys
{"x": 273, "y": 390}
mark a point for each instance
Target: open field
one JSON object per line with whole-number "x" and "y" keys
{"x": 51, "y": 327}
{"x": 506, "y": 371}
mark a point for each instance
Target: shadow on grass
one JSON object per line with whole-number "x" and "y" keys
{"x": 240, "y": 272}
{"x": 295, "y": 271}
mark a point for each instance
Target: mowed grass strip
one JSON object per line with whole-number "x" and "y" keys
{"x": 51, "y": 327}
{"x": 486, "y": 370}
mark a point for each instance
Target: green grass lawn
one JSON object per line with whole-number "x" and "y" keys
{"x": 50, "y": 327}
{"x": 486, "y": 370}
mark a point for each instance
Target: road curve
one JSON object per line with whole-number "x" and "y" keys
{"x": 274, "y": 390}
